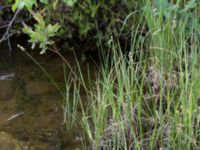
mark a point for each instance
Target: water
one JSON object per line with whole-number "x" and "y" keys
{"x": 31, "y": 107}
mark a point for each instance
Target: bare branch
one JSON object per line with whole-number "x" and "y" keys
{"x": 6, "y": 34}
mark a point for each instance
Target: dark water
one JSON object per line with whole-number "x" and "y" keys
{"x": 30, "y": 105}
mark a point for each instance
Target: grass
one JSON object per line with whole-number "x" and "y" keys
{"x": 151, "y": 103}
{"x": 136, "y": 106}
{"x": 71, "y": 101}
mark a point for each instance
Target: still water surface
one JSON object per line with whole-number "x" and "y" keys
{"x": 31, "y": 107}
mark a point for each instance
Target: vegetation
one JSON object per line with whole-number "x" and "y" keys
{"x": 146, "y": 95}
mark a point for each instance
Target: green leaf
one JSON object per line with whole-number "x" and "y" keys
{"x": 38, "y": 17}
{"x": 41, "y": 33}
{"x": 44, "y": 1}
{"x": 20, "y": 4}
{"x": 55, "y": 4}
{"x": 52, "y": 29}
{"x": 70, "y": 3}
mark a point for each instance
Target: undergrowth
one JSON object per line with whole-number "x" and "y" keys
{"x": 149, "y": 98}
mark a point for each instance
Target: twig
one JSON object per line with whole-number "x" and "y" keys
{"x": 6, "y": 34}
{"x": 15, "y": 116}
{"x": 6, "y": 24}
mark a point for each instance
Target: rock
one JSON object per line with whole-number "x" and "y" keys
{"x": 7, "y": 142}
